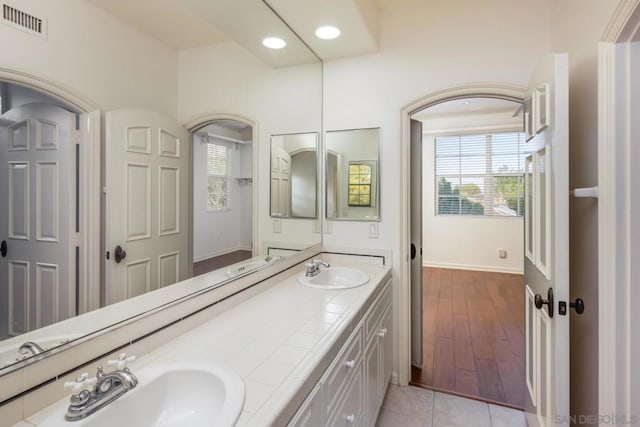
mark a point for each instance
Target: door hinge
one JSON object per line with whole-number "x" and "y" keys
{"x": 76, "y": 137}
{"x": 76, "y": 239}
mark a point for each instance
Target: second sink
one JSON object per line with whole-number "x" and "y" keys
{"x": 335, "y": 278}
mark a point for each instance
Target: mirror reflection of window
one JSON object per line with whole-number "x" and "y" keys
{"x": 217, "y": 177}
{"x": 359, "y": 184}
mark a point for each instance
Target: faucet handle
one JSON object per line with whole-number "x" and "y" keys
{"x": 81, "y": 383}
{"x": 121, "y": 361}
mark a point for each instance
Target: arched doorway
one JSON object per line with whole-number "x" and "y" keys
{"x": 407, "y": 305}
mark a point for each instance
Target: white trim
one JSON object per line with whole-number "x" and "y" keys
{"x": 624, "y": 22}
{"x": 48, "y": 87}
{"x": 472, "y": 267}
{"x": 614, "y": 286}
{"x": 90, "y": 197}
{"x": 202, "y": 121}
{"x": 403, "y": 313}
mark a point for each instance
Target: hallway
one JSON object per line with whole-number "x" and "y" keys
{"x": 473, "y": 343}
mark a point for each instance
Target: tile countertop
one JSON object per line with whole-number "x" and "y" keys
{"x": 279, "y": 341}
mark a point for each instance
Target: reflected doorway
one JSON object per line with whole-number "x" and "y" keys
{"x": 38, "y": 210}
{"x": 222, "y": 195}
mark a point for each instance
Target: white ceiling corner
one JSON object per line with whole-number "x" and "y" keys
{"x": 192, "y": 23}
{"x": 171, "y": 22}
{"x": 356, "y": 19}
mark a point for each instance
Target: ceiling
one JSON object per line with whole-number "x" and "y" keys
{"x": 188, "y": 24}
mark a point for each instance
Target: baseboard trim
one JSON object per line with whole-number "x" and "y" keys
{"x": 222, "y": 252}
{"x": 490, "y": 268}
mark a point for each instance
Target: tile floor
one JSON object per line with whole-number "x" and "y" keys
{"x": 417, "y": 407}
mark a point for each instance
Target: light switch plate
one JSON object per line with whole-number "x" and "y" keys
{"x": 276, "y": 225}
{"x": 373, "y": 230}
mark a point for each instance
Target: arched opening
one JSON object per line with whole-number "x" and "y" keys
{"x": 409, "y": 330}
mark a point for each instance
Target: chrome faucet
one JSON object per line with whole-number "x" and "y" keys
{"x": 30, "y": 347}
{"x": 313, "y": 267}
{"x": 107, "y": 387}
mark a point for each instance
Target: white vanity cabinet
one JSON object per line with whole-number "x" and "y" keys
{"x": 378, "y": 356}
{"x": 351, "y": 390}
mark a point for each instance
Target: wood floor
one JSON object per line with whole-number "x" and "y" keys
{"x": 473, "y": 326}
{"x": 217, "y": 262}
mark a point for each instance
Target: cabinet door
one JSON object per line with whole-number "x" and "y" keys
{"x": 386, "y": 351}
{"x": 372, "y": 379}
{"x": 350, "y": 410}
{"x": 310, "y": 413}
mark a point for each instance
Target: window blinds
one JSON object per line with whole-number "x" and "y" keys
{"x": 480, "y": 174}
{"x": 217, "y": 177}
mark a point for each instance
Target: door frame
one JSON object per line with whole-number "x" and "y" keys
{"x": 198, "y": 123}
{"x": 90, "y": 193}
{"x": 615, "y": 292}
{"x": 473, "y": 90}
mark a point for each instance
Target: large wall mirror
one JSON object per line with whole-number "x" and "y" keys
{"x": 353, "y": 174}
{"x": 185, "y": 175}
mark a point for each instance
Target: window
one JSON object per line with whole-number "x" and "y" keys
{"x": 480, "y": 174}
{"x": 359, "y": 184}
{"x": 217, "y": 177}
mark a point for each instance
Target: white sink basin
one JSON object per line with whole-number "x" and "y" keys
{"x": 335, "y": 278}
{"x": 169, "y": 395}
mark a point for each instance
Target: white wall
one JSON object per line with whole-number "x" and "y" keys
{"x": 217, "y": 233}
{"x": 422, "y": 50}
{"x": 225, "y": 78}
{"x": 96, "y": 56}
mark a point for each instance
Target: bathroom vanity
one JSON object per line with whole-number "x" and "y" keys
{"x": 306, "y": 356}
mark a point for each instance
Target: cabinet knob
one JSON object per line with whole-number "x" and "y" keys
{"x": 351, "y": 418}
{"x": 383, "y": 332}
{"x": 350, "y": 363}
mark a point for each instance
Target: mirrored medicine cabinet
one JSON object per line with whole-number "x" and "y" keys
{"x": 353, "y": 174}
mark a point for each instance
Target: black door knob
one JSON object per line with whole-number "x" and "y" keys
{"x": 3, "y": 248}
{"x": 539, "y": 302}
{"x": 119, "y": 254}
{"x": 577, "y": 305}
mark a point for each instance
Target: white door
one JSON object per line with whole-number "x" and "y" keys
{"x": 37, "y": 226}
{"x": 280, "y": 182}
{"x": 547, "y": 244}
{"x": 147, "y": 216}
{"x": 416, "y": 243}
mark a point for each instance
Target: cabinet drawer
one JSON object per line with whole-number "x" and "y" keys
{"x": 351, "y": 410}
{"x": 372, "y": 322}
{"x": 343, "y": 369}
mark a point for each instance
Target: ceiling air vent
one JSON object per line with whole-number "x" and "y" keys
{"x": 24, "y": 21}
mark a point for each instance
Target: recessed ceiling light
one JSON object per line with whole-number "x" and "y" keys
{"x": 327, "y": 32}
{"x": 466, "y": 102}
{"x": 274, "y": 43}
